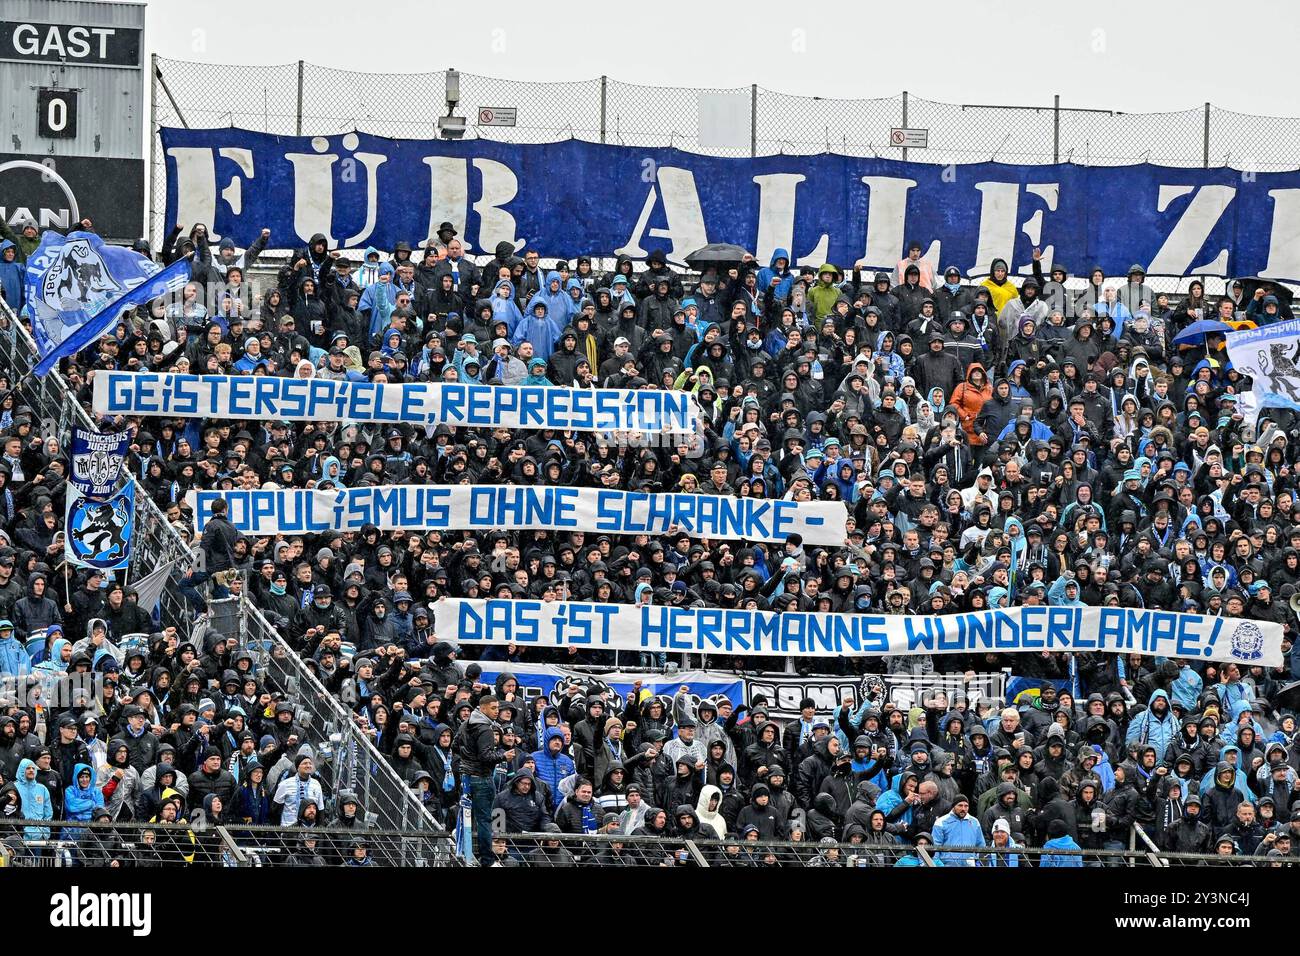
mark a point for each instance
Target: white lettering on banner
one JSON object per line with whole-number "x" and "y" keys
{"x": 486, "y": 508}
{"x": 1191, "y": 231}
{"x": 269, "y": 398}
{"x": 682, "y": 211}
{"x": 656, "y": 628}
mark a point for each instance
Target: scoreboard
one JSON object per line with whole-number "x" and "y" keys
{"x": 72, "y": 92}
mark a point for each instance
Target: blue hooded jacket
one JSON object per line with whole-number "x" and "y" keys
{"x": 560, "y": 307}
{"x": 80, "y": 802}
{"x": 14, "y": 661}
{"x": 552, "y": 769}
{"x": 36, "y": 801}
{"x": 12, "y": 277}
{"x": 1147, "y": 728}
{"x": 1061, "y": 843}
{"x": 505, "y": 309}
{"x": 543, "y": 332}
{"x": 770, "y": 272}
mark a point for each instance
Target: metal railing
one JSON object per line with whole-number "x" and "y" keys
{"x": 600, "y": 849}
{"x": 198, "y": 843}
{"x": 154, "y": 541}
{"x": 354, "y": 762}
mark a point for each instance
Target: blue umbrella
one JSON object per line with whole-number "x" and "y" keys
{"x": 1195, "y": 333}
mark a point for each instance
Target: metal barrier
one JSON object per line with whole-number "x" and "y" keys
{"x": 599, "y": 849}
{"x": 352, "y": 758}
{"x": 227, "y": 845}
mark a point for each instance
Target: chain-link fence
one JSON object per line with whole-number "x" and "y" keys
{"x": 306, "y": 98}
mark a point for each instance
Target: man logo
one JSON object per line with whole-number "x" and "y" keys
{"x": 1247, "y": 642}
{"x": 77, "y": 910}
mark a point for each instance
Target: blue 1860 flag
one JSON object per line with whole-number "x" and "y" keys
{"x": 98, "y": 533}
{"x": 78, "y": 286}
{"x": 97, "y": 461}
{"x": 1271, "y": 357}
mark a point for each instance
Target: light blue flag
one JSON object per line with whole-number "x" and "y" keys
{"x": 78, "y": 286}
{"x": 1270, "y": 356}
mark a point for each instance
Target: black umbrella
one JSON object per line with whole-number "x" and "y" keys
{"x": 719, "y": 255}
{"x": 1271, "y": 286}
{"x": 1288, "y": 698}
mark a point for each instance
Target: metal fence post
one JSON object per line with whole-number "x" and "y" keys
{"x": 301, "y": 70}
{"x": 1056, "y": 128}
{"x": 153, "y": 151}
{"x": 904, "y": 123}
{"x": 753, "y": 120}
{"x": 604, "y": 100}
{"x": 1207, "y": 137}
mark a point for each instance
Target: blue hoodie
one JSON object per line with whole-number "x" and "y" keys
{"x": 560, "y": 307}
{"x": 543, "y": 332}
{"x": 36, "y": 801}
{"x": 505, "y": 309}
{"x": 80, "y": 802}
{"x": 14, "y": 661}
{"x": 11, "y": 277}
{"x": 1061, "y": 843}
{"x": 893, "y": 361}
{"x": 552, "y": 769}
{"x": 770, "y": 272}
{"x": 1147, "y": 728}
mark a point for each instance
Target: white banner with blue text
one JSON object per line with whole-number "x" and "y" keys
{"x": 270, "y": 398}
{"x": 698, "y": 630}
{"x": 540, "y": 508}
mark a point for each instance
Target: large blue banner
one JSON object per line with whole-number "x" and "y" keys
{"x": 271, "y": 398}
{"x": 574, "y": 198}
{"x": 267, "y": 511}
{"x": 698, "y": 630}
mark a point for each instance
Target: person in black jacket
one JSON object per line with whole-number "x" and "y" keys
{"x": 522, "y": 804}
{"x": 219, "y": 537}
{"x": 212, "y": 778}
{"x": 479, "y": 752}
{"x": 68, "y": 751}
{"x": 1189, "y": 834}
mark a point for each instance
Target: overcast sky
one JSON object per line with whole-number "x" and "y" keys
{"x": 1131, "y": 56}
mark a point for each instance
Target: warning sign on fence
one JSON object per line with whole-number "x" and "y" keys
{"x": 909, "y": 138}
{"x": 496, "y": 116}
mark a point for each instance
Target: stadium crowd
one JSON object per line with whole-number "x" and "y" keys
{"x": 996, "y": 443}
